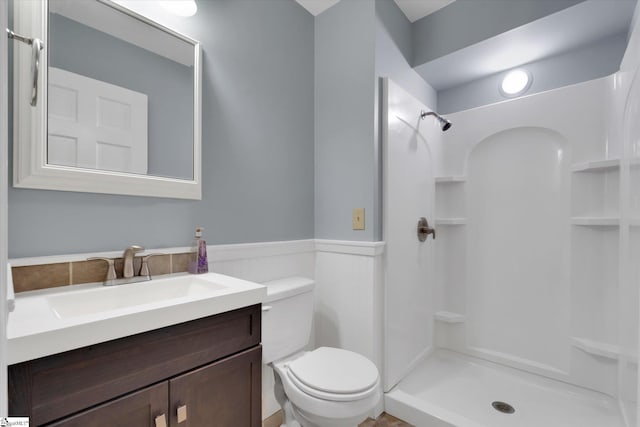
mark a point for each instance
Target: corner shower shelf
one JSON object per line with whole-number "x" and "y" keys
{"x": 450, "y": 179}
{"x": 449, "y": 317}
{"x": 596, "y": 221}
{"x": 597, "y": 166}
{"x": 596, "y": 348}
{"x": 451, "y": 221}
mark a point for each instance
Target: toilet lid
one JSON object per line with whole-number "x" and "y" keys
{"x": 335, "y": 371}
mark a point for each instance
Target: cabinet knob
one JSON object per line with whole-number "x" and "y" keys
{"x": 182, "y": 413}
{"x": 161, "y": 421}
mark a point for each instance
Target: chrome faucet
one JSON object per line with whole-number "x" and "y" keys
{"x": 128, "y": 260}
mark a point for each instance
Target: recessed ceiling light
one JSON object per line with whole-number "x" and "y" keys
{"x": 515, "y": 83}
{"x": 180, "y": 7}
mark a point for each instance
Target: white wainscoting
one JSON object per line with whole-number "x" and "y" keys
{"x": 349, "y": 297}
{"x": 261, "y": 262}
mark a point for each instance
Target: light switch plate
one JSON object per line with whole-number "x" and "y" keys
{"x": 358, "y": 219}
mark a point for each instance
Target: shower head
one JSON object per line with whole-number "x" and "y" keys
{"x": 444, "y": 123}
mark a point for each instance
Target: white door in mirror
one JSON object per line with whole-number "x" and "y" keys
{"x": 96, "y": 125}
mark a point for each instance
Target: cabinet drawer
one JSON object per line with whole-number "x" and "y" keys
{"x": 53, "y": 387}
{"x": 136, "y": 409}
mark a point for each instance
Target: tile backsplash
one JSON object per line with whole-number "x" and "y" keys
{"x": 257, "y": 262}
{"x": 44, "y": 276}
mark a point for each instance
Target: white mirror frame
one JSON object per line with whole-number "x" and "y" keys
{"x": 30, "y": 168}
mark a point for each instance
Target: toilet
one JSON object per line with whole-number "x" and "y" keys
{"x": 326, "y": 387}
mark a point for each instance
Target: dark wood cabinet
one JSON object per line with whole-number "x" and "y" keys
{"x": 136, "y": 409}
{"x": 221, "y": 394}
{"x": 210, "y": 368}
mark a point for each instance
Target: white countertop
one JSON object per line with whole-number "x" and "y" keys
{"x": 56, "y": 320}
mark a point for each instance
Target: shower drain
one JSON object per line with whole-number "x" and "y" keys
{"x": 503, "y": 407}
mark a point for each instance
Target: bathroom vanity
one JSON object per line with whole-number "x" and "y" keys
{"x": 190, "y": 374}
{"x": 190, "y": 369}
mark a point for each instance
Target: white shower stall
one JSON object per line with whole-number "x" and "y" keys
{"x": 524, "y": 308}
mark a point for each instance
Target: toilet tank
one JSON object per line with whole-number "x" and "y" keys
{"x": 286, "y": 317}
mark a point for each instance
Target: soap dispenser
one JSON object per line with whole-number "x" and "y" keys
{"x": 199, "y": 263}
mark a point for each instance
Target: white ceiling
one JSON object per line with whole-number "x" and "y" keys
{"x": 417, "y": 9}
{"x": 125, "y": 27}
{"x": 413, "y": 9}
{"x": 316, "y": 7}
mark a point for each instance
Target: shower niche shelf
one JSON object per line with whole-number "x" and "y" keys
{"x": 450, "y": 200}
{"x": 451, "y": 179}
{"x": 449, "y": 317}
{"x": 597, "y": 166}
{"x": 595, "y": 188}
{"x": 596, "y": 348}
{"x": 451, "y": 221}
{"x": 596, "y": 221}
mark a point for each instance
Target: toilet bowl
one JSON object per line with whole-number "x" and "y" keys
{"x": 329, "y": 387}
{"x": 326, "y": 387}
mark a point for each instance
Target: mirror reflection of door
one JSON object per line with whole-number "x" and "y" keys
{"x": 95, "y": 125}
{"x": 120, "y": 92}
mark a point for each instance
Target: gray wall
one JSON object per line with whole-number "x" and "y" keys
{"x": 394, "y": 47}
{"x": 168, "y": 85}
{"x": 345, "y": 168}
{"x": 466, "y": 22}
{"x": 357, "y": 42}
{"x": 257, "y": 147}
{"x": 590, "y": 62}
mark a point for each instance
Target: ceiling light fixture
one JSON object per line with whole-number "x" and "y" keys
{"x": 180, "y": 7}
{"x": 515, "y": 83}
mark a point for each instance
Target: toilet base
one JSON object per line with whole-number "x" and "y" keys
{"x": 311, "y": 420}
{"x": 288, "y": 417}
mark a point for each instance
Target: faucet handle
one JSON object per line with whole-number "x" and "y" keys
{"x": 144, "y": 270}
{"x": 424, "y": 230}
{"x": 134, "y": 249}
{"x": 111, "y": 270}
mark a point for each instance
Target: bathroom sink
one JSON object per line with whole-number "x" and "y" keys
{"x": 54, "y": 320}
{"x": 108, "y": 298}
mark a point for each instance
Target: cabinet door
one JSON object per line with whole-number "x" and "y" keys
{"x": 223, "y": 394}
{"x": 139, "y": 409}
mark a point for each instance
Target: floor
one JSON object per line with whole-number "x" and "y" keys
{"x": 463, "y": 391}
{"x": 384, "y": 420}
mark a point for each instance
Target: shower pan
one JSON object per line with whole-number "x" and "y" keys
{"x": 510, "y": 317}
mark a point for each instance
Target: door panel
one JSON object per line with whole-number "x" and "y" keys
{"x": 408, "y": 194}
{"x": 224, "y": 394}
{"x": 96, "y": 125}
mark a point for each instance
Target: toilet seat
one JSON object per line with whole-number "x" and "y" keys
{"x": 334, "y": 374}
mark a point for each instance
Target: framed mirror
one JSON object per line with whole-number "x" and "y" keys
{"x": 111, "y": 104}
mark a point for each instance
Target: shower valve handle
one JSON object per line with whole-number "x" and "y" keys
{"x": 424, "y": 230}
